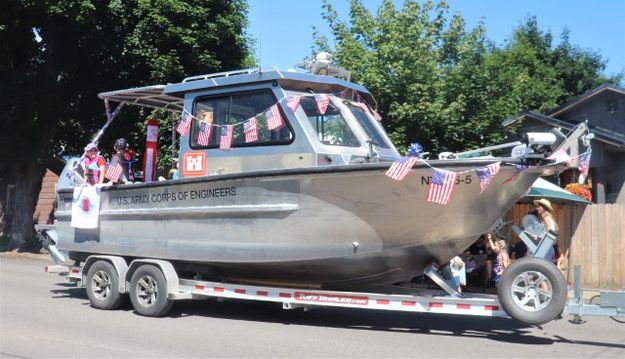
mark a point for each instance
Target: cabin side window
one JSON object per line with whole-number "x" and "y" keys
{"x": 331, "y": 127}
{"x": 368, "y": 124}
{"x": 212, "y": 113}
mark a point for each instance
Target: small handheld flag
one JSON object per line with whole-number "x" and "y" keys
{"x": 114, "y": 171}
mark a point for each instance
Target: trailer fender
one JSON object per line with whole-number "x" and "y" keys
{"x": 118, "y": 262}
{"x": 173, "y": 288}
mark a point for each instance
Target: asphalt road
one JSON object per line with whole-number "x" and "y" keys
{"x": 40, "y": 317}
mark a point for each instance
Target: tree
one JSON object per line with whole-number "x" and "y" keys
{"x": 49, "y": 105}
{"x": 447, "y": 87}
{"x": 425, "y": 71}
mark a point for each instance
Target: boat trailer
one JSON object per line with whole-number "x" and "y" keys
{"x": 105, "y": 276}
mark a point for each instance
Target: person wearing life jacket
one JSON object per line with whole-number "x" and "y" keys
{"x": 125, "y": 157}
{"x": 93, "y": 166}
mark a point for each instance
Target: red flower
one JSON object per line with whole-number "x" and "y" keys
{"x": 580, "y": 190}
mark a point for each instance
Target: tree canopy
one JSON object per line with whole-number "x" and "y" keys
{"x": 49, "y": 106}
{"x": 449, "y": 87}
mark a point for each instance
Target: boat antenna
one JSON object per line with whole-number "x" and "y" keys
{"x": 260, "y": 54}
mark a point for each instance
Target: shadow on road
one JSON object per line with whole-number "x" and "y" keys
{"x": 498, "y": 329}
{"x": 69, "y": 291}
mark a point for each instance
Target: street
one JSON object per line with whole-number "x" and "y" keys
{"x": 41, "y": 317}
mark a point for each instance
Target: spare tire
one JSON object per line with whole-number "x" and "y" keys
{"x": 532, "y": 290}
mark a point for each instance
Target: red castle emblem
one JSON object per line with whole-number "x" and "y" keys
{"x": 86, "y": 205}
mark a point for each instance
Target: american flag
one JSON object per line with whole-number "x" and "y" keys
{"x": 441, "y": 186}
{"x": 377, "y": 116}
{"x": 560, "y": 156}
{"x": 486, "y": 174}
{"x": 400, "y": 168}
{"x": 274, "y": 118}
{"x": 293, "y": 102}
{"x": 225, "y": 140}
{"x": 517, "y": 170}
{"x": 114, "y": 171}
{"x": 250, "y": 129}
{"x": 203, "y": 138}
{"x": 185, "y": 125}
{"x": 322, "y": 103}
{"x": 362, "y": 106}
{"x": 584, "y": 166}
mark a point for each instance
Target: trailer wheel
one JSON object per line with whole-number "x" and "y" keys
{"x": 103, "y": 286}
{"x": 532, "y": 290}
{"x": 148, "y": 292}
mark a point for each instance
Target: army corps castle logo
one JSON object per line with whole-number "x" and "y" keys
{"x": 86, "y": 205}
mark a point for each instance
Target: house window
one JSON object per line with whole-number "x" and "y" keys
{"x": 235, "y": 110}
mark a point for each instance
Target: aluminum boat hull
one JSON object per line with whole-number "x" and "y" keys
{"x": 341, "y": 226}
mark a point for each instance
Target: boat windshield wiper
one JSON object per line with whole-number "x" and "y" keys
{"x": 374, "y": 151}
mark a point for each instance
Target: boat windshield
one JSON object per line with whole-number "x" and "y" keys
{"x": 331, "y": 127}
{"x": 367, "y": 123}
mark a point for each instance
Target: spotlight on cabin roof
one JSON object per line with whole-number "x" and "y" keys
{"x": 322, "y": 65}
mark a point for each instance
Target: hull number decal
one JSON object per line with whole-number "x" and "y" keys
{"x": 425, "y": 180}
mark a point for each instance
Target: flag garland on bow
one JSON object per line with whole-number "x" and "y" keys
{"x": 560, "y": 156}
{"x": 486, "y": 174}
{"x": 441, "y": 186}
{"x": 400, "y": 168}
{"x": 442, "y": 182}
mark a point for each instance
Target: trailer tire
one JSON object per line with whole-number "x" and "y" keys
{"x": 523, "y": 295}
{"x": 148, "y": 291}
{"x": 103, "y": 286}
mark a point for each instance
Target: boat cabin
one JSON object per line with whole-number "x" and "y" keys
{"x": 301, "y": 120}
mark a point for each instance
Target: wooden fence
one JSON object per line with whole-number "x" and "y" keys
{"x": 595, "y": 237}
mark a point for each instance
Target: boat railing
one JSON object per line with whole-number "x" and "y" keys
{"x": 229, "y": 73}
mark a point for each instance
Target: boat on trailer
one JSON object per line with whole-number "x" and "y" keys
{"x": 306, "y": 204}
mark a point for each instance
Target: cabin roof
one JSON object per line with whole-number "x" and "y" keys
{"x": 171, "y": 96}
{"x": 255, "y": 75}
